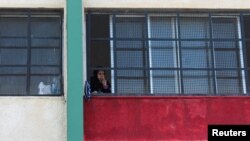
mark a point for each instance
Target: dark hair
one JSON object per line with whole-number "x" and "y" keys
{"x": 96, "y": 71}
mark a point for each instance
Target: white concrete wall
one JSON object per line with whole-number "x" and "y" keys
{"x": 34, "y": 118}
{"x": 44, "y": 118}
{"x": 32, "y": 3}
{"x": 172, "y": 4}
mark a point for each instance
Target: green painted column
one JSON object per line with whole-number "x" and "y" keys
{"x": 75, "y": 71}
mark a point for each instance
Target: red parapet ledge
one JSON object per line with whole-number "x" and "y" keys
{"x": 134, "y": 96}
{"x": 161, "y": 117}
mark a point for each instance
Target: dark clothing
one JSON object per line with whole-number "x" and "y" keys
{"x": 96, "y": 85}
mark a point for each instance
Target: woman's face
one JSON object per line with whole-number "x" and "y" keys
{"x": 101, "y": 75}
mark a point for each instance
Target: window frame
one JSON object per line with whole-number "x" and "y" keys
{"x": 29, "y": 14}
{"x": 240, "y": 41}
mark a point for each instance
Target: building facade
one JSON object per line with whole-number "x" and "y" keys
{"x": 173, "y": 66}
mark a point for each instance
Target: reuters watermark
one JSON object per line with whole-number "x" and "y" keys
{"x": 226, "y": 132}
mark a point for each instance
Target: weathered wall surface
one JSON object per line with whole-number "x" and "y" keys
{"x": 160, "y": 118}
{"x": 32, "y": 119}
{"x": 190, "y": 4}
{"x": 32, "y": 3}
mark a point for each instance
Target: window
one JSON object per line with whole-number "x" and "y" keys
{"x": 30, "y": 52}
{"x": 172, "y": 53}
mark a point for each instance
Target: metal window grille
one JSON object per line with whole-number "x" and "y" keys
{"x": 171, "y": 53}
{"x": 30, "y": 52}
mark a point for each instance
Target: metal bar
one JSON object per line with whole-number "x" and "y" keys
{"x": 244, "y": 52}
{"x": 43, "y": 74}
{"x": 35, "y": 95}
{"x": 61, "y": 55}
{"x": 180, "y": 53}
{"x": 228, "y": 78}
{"x": 21, "y": 48}
{"x": 46, "y": 47}
{"x": 10, "y": 48}
{"x": 11, "y": 74}
{"x": 172, "y": 68}
{"x": 13, "y": 66}
{"x": 226, "y": 49}
{"x": 88, "y": 44}
{"x": 33, "y": 74}
{"x": 177, "y": 58}
{"x": 131, "y": 49}
{"x": 14, "y": 37}
{"x": 30, "y": 65}
{"x": 165, "y": 76}
{"x": 115, "y": 52}
{"x": 167, "y": 39}
{"x": 46, "y": 65}
{"x": 24, "y": 37}
{"x": 55, "y": 38}
{"x": 29, "y": 54}
{"x": 212, "y": 54}
{"x": 147, "y": 55}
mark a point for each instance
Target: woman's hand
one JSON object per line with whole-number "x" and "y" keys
{"x": 105, "y": 84}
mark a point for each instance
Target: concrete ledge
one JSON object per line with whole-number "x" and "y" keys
{"x": 32, "y": 3}
{"x": 189, "y": 4}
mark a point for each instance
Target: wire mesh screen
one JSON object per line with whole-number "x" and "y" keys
{"x": 170, "y": 53}
{"x": 30, "y": 52}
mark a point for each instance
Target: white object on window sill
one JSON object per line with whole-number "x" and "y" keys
{"x": 44, "y": 89}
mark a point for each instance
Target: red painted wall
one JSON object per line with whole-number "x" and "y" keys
{"x": 160, "y": 118}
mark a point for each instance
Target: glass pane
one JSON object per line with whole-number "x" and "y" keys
{"x": 13, "y": 57}
{"x": 14, "y": 26}
{"x": 225, "y": 28}
{"x": 227, "y": 74}
{"x": 129, "y": 59}
{"x": 196, "y": 58}
{"x": 165, "y": 81}
{"x": 162, "y": 27}
{"x": 162, "y": 44}
{"x": 197, "y": 82}
{"x": 129, "y": 44}
{"x": 45, "y": 85}
{"x": 45, "y": 57}
{"x": 162, "y": 58}
{"x": 45, "y": 70}
{"x": 45, "y": 27}
{"x": 195, "y": 44}
{"x": 226, "y": 44}
{"x": 10, "y": 85}
{"x": 194, "y": 27}
{"x": 45, "y": 42}
{"x": 227, "y": 59}
{"x": 13, "y": 42}
{"x": 13, "y": 70}
{"x": 129, "y": 27}
{"x": 130, "y": 73}
{"x": 131, "y": 86}
{"x": 229, "y": 82}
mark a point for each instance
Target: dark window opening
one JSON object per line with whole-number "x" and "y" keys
{"x": 99, "y": 52}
